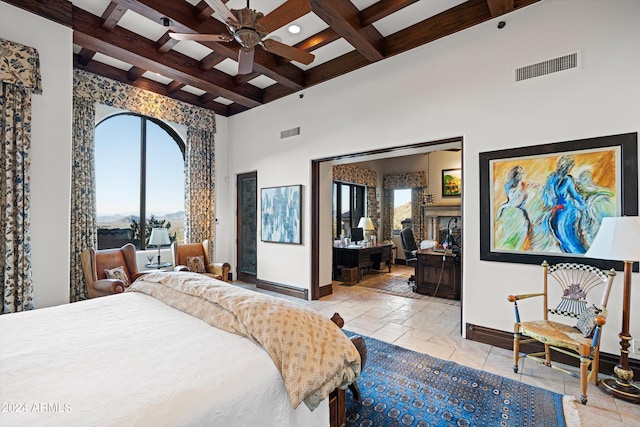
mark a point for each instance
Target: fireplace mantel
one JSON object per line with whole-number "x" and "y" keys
{"x": 443, "y": 209}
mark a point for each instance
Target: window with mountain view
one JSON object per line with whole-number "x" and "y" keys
{"x": 401, "y": 207}
{"x": 139, "y": 180}
{"x": 348, "y": 207}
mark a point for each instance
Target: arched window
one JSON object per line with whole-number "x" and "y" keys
{"x": 139, "y": 180}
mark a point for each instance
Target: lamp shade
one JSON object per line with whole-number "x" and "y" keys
{"x": 618, "y": 239}
{"x": 159, "y": 237}
{"x": 366, "y": 224}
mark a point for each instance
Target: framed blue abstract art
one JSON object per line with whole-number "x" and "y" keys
{"x": 546, "y": 202}
{"x": 280, "y": 208}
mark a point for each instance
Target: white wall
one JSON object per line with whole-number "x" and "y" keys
{"x": 50, "y": 150}
{"x": 461, "y": 85}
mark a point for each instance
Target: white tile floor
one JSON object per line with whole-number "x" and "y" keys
{"x": 432, "y": 326}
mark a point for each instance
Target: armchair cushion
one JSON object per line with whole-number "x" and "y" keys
{"x": 587, "y": 321}
{"x": 196, "y": 264}
{"x": 117, "y": 273}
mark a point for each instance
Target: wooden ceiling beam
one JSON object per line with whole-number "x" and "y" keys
{"x": 316, "y": 41}
{"x": 135, "y": 73}
{"x": 165, "y": 43}
{"x": 382, "y": 9}
{"x": 112, "y": 14}
{"x": 458, "y": 18}
{"x": 85, "y": 56}
{"x": 55, "y": 10}
{"x": 204, "y": 11}
{"x": 174, "y": 86}
{"x": 183, "y": 20}
{"x": 344, "y": 18}
{"x": 499, "y": 7}
{"x": 150, "y": 85}
{"x": 287, "y": 12}
{"x": 140, "y": 52}
{"x": 244, "y": 78}
{"x": 210, "y": 61}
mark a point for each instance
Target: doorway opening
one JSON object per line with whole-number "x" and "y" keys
{"x": 321, "y": 184}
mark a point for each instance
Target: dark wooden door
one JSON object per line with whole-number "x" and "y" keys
{"x": 247, "y": 226}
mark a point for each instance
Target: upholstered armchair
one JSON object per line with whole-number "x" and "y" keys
{"x": 109, "y": 271}
{"x": 195, "y": 257}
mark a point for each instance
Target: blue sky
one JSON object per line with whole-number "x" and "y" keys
{"x": 400, "y": 197}
{"x": 117, "y": 156}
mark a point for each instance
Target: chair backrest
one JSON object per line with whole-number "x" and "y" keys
{"x": 107, "y": 259}
{"x": 408, "y": 242}
{"x": 180, "y": 252}
{"x": 580, "y": 286}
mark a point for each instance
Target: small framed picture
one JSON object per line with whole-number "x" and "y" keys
{"x": 451, "y": 182}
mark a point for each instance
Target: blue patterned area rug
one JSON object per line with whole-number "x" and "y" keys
{"x": 401, "y": 387}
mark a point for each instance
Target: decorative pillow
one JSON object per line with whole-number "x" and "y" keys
{"x": 587, "y": 321}
{"x": 117, "y": 273}
{"x": 196, "y": 264}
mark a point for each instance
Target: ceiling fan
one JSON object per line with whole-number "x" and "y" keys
{"x": 249, "y": 28}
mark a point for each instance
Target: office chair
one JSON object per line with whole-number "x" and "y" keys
{"x": 409, "y": 247}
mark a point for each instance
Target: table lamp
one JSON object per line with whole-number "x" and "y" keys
{"x": 619, "y": 239}
{"x": 367, "y": 225}
{"x": 159, "y": 237}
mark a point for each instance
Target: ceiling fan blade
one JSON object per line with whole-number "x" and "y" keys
{"x": 245, "y": 60}
{"x": 223, "y": 11}
{"x": 285, "y": 13}
{"x": 289, "y": 52}
{"x": 202, "y": 37}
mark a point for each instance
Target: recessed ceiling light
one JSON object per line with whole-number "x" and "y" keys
{"x": 294, "y": 29}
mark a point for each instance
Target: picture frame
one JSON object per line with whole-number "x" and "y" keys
{"x": 281, "y": 214}
{"x": 451, "y": 182}
{"x": 527, "y": 212}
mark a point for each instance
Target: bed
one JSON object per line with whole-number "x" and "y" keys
{"x": 135, "y": 360}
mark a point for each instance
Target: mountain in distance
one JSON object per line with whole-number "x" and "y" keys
{"x": 121, "y": 218}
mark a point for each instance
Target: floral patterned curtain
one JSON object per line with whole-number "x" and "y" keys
{"x": 417, "y": 181}
{"x": 83, "y": 193}
{"x": 19, "y": 76}
{"x": 200, "y": 187}
{"x": 89, "y": 89}
{"x": 361, "y": 176}
{"x": 387, "y": 219}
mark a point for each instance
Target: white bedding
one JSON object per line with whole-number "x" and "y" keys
{"x": 130, "y": 360}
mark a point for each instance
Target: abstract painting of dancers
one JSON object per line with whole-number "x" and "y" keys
{"x": 553, "y": 203}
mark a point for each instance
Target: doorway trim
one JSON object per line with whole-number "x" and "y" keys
{"x": 316, "y": 291}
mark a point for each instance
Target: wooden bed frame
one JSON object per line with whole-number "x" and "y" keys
{"x": 338, "y": 398}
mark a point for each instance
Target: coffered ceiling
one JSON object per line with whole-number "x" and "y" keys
{"x": 129, "y": 41}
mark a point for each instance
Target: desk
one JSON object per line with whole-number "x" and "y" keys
{"x": 362, "y": 257}
{"x": 433, "y": 273}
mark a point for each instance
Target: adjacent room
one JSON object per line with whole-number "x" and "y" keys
{"x": 320, "y": 213}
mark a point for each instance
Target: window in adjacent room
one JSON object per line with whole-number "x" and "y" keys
{"x": 401, "y": 207}
{"x": 139, "y": 180}
{"x": 348, "y": 207}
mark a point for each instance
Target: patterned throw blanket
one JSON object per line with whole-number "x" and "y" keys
{"x": 312, "y": 354}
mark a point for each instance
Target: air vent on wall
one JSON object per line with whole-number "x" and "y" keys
{"x": 549, "y": 66}
{"x": 290, "y": 132}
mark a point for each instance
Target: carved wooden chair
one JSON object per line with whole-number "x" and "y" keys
{"x": 582, "y": 291}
